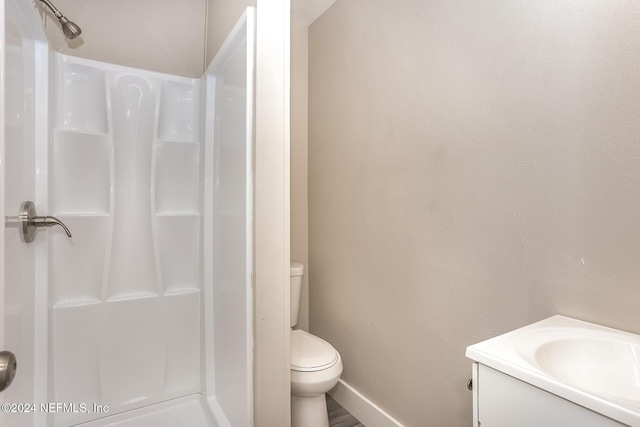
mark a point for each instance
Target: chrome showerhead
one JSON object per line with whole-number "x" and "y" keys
{"x": 70, "y": 29}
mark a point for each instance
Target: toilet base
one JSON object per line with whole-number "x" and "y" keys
{"x": 309, "y": 411}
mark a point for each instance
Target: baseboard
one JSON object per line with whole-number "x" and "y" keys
{"x": 360, "y": 407}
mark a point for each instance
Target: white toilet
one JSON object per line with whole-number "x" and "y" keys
{"x": 315, "y": 366}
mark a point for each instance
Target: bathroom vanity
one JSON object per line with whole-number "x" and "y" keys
{"x": 557, "y": 372}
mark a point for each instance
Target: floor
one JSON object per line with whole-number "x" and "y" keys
{"x": 339, "y": 417}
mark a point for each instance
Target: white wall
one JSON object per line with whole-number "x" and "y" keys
{"x": 272, "y": 383}
{"x": 158, "y": 35}
{"x": 473, "y": 167}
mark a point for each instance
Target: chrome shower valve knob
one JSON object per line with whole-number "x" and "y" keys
{"x": 28, "y": 222}
{"x": 8, "y": 368}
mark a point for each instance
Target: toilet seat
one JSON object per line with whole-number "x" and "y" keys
{"x": 310, "y": 353}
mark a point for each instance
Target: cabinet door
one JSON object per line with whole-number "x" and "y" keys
{"x": 504, "y": 401}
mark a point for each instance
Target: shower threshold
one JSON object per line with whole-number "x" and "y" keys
{"x": 189, "y": 411}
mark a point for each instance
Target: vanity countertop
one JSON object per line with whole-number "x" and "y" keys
{"x": 591, "y": 365}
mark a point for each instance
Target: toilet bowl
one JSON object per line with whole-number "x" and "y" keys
{"x": 315, "y": 367}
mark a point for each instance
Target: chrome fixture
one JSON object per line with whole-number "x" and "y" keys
{"x": 28, "y": 222}
{"x": 8, "y": 367}
{"x": 70, "y": 29}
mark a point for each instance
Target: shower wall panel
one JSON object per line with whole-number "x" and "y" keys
{"x": 125, "y": 291}
{"x": 229, "y": 197}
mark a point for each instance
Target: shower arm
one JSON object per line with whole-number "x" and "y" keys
{"x": 53, "y": 9}
{"x": 70, "y": 29}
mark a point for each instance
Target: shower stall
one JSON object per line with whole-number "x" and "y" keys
{"x": 144, "y": 316}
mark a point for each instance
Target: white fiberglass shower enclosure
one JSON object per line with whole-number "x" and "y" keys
{"x": 143, "y": 317}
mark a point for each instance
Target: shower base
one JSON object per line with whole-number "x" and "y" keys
{"x": 189, "y": 411}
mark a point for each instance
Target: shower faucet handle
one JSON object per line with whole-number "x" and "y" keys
{"x": 28, "y": 222}
{"x": 8, "y": 367}
{"x": 49, "y": 221}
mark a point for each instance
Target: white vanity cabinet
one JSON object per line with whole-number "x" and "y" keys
{"x": 500, "y": 400}
{"x": 558, "y": 372}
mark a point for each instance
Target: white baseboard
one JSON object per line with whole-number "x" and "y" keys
{"x": 367, "y": 412}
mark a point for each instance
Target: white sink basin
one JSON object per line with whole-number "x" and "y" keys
{"x": 605, "y": 363}
{"x": 591, "y": 365}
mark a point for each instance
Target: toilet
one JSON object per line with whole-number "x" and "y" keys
{"x": 315, "y": 366}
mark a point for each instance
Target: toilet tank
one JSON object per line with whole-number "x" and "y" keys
{"x": 296, "y": 272}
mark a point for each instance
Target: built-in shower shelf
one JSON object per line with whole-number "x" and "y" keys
{"x": 82, "y": 214}
{"x": 63, "y": 131}
{"x": 179, "y": 214}
{"x": 80, "y": 172}
{"x": 187, "y": 290}
{"x": 75, "y": 303}
{"x": 106, "y": 214}
{"x": 133, "y": 296}
{"x": 177, "y": 141}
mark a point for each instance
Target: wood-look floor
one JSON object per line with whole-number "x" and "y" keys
{"x": 339, "y": 417}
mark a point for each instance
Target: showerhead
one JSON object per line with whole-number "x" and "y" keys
{"x": 70, "y": 29}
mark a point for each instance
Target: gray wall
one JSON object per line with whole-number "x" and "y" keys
{"x": 159, "y": 35}
{"x": 299, "y": 131}
{"x": 222, "y": 15}
{"x": 473, "y": 167}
